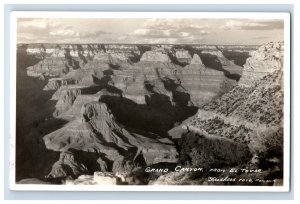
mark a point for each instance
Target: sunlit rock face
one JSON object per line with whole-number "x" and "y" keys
{"x": 183, "y": 56}
{"x": 201, "y": 83}
{"x": 60, "y": 59}
{"x": 67, "y": 166}
{"x": 263, "y": 61}
{"x": 196, "y": 60}
{"x": 99, "y": 178}
{"x": 155, "y": 56}
{"x": 65, "y": 99}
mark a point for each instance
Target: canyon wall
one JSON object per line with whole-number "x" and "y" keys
{"x": 265, "y": 60}
{"x": 131, "y": 69}
{"x": 250, "y": 117}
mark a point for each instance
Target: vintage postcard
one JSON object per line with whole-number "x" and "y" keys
{"x": 150, "y": 101}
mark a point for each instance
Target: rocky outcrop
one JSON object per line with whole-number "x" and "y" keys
{"x": 247, "y": 122}
{"x": 187, "y": 84}
{"x": 200, "y": 82}
{"x": 60, "y": 59}
{"x": 238, "y": 53}
{"x": 214, "y": 51}
{"x": 267, "y": 59}
{"x": 56, "y": 83}
{"x": 259, "y": 104}
{"x": 208, "y": 151}
{"x": 33, "y": 181}
{"x": 238, "y": 48}
{"x": 155, "y": 56}
{"x": 183, "y": 56}
{"x": 108, "y": 178}
{"x": 65, "y": 99}
{"x": 99, "y": 178}
{"x": 97, "y": 131}
{"x": 74, "y": 110}
{"x": 67, "y": 166}
{"x": 196, "y": 60}
{"x": 249, "y": 116}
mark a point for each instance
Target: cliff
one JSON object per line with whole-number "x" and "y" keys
{"x": 250, "y": 116}
{"x": 263, "y": 61}
{"x": 256, "y": 106}
{"x": 155, "y": 56}
{"x": 202, "y": 83}
{"x": 243, "y": 127}
{"x": 97, "y": 131}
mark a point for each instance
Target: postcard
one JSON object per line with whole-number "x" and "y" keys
{"x": 150, "y": 101}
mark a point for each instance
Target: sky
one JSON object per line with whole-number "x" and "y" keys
{"x": 149, "y": 31}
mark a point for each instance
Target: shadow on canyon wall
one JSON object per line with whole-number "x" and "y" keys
{"x": 136, "y": 57}
{"x": 158, "y": 115}
{"x": 213, "y": 62}
{"x": 239, "y": 58}
{"x": 34, "y": 120}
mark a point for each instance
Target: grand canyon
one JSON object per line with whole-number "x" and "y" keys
{"x": 103, "y": 113}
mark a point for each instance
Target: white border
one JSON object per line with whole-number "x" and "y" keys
{"x": 216, "y": 15}
{"x": 202, "y": 15}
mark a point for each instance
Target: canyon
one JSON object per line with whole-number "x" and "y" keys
{"x": 102, "y": 113}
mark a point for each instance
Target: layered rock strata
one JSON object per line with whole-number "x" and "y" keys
{"x": 265, "y": 60}
{"x": 252, "y": 107}
{"x": 97, "y": 131}
{"x": 247, "y": 122}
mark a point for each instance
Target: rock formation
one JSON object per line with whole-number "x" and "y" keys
{"x": 99, "y": 178}
{"x": 249, "y": 117}
{"x": 183, "y": 56}
{"x": 196, "y": 60}
{"x": 246, "y": 107}
{"x": 201, "y": 83}
{"x": 65, "y": 98}
{"x": 263, "y": 61}
{"x": 97, "y": 131}
{"x": 155, "y": 56}
{"x": 67, "y": 166}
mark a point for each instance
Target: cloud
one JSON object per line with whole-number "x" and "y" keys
{"x": 93, "y": 34}
{"x": 184, "y": 34}
{"x": 54, "y": 30}
{"x": 170, "y": 30}
{"x": 34, "y": 24}
{"x": 72, "y": 33}
{"x": 152, "y": 32}
{"x": 260, "y": 37}
{"x": 156, "y": 30}
{"x": 65, "y": 33}
{"x": 38, "y": 24}
{"x": 253, "y": 25}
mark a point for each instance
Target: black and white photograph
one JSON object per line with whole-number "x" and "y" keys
{"x": 190, "y": 101}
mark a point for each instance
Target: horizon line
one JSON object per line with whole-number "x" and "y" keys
{"x": 142, "y": 43}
